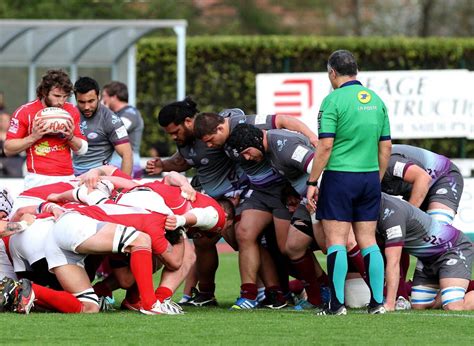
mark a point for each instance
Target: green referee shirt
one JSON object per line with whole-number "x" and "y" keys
{"x": 357, "y": 119}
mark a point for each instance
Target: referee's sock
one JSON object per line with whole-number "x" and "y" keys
{"x": 337, "y": 271}
{"x": 375, "y": 273}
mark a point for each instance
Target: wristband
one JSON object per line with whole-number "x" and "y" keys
{"x": 180, "y": 221}
{"x": 312, "y": 183}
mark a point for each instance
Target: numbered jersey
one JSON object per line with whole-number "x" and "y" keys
{"x": 402, "y": 224}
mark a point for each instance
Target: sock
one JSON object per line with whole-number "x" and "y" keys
{"x": 402, "y": 286}
{"x": 102, "y": 289}
{"x": 470, "y": 287}
{"x": 337, "y": 271}
{"x": 261, "y": 293}
{"x": 276, "y": 290}
{"x": 207, "y": 289}
{"x": 305, "y": 268}
{"x": 375, "y": 273}
{"x": 163, "y": 293}
{"x": 323, "y": 279}
{"x": 357, "y": 261}
{"x": 61, "y": 301}
{"x": 141, "y": 267}
{"x": 248, "y": 291}
{"x": 133, "y": 295}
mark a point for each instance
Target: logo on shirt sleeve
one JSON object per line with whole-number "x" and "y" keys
{"x": 14, "y": 125}
{"x": 299, "y": 153}
{"x": 399, "y": 168}
{"x": 260, "y": 119}
{"x": 121, "y": 132}
{"x": 394, "y": 232}
{"x": 320, "y": 114}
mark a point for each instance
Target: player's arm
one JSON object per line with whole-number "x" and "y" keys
{"x": 173, "y": 256}
{"x": 8, "y": 228}
{"x": 293, "y": 124}
{"x": 420, "y": 181}
{"x": 392, "y": 274}
{"x": 126, "y": 153}
{"x": 13, "y": 146}
{"x": 174, "y": 163}
{"x": 385, "y": 150}
{"x": 176, "y": 179}
{"x": 202, "y": 218}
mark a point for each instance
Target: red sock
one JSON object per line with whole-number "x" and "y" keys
{"x": 357, "y": 260}
{"x": 132, "y": 296}
{"x": 141, "y": 267}
{"x": 248, "y": 291}
{"x": 57, "y": 300}
{"x": 163, "y": 293}
{"x": 305, "y": 268}
{"x": 102, "y": 289}
{"x": 470, "y": 287}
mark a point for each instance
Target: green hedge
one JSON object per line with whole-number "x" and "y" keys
{"x": 220, "y": 71}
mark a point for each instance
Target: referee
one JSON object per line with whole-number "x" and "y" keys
{"x": 354, "y": 149}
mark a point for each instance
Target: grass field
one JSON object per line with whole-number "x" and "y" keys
{"x": 220, "y": 326}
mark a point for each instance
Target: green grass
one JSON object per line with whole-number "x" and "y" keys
{"x": 220, "y": 326}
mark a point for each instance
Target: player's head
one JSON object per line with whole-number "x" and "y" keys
{"x": 246, "y": 141}
{"x": 211, "y": 129}
{"x": 6, "y": 202}
{"x": 54, "y": 89}
{"x": 86, "y": 90}
{"x": 229, "y": 210}
{"x": 113, "y": 94}
{"x": 177, "y": 118}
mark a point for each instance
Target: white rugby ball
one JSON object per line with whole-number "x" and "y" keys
{"x": 55, "y": 118}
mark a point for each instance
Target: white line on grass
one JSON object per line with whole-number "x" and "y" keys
{"x": 420, "y": 314}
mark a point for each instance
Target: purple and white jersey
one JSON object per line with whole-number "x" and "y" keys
{"x": 402, "y": 224}
{"x": 260, "y": 174}
{"x": 403, "y": 156}
{"x": 290, "y": 153}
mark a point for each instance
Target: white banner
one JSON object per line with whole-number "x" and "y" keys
{"x": 421, "y": 104}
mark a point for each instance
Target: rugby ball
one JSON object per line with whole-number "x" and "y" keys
{"x": 55, "y": 118}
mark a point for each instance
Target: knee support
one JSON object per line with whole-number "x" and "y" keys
{"x": 452, "y": 294}
{"x": 87, "y": 296}
{"x": 123, "y": 237}
{"x": 423, "y": 295}
{"x": 443, "y": 216}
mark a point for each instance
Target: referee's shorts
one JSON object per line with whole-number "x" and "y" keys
{"x": 349, "y": 196}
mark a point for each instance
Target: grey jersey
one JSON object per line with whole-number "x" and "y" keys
{"x": 104, "y": 130}
{"x": 402, "y": 157}
{"x": 290, "y": 153}
{"x": 402, "y": 224}
{"x": 217, "y": 174}
{"x": 260, "y": 174}
{"x": 133, "y": 122}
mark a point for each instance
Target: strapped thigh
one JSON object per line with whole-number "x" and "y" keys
{"x": 423, "y": 295}
{"x": 123, "y": 237}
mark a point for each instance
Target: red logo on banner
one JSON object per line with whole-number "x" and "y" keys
{"x": 293, "y": 96}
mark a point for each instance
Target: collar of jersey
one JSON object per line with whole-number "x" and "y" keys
{"x": 351, "y": 82}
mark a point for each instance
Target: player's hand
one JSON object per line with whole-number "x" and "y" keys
{"x": 312, "y": 197}
{"x": 57, "y": 212}
{"x": 39, "y": 128}
{"x": 90, "y": 179}
{"x": 29, "y": 218}
{"x": 314, "y": 141}
{"x": 171, "y": 222}
{"x": 154, "y": 166}
{"x": 188, "y": 192}
{"x": 69, "y": 130}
